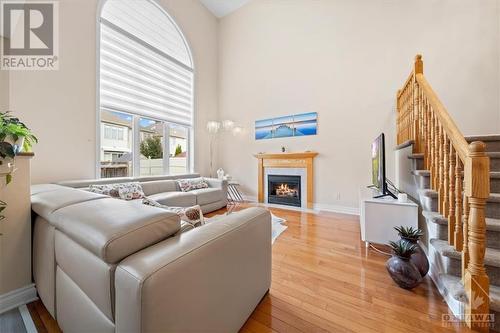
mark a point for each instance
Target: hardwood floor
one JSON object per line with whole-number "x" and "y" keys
{"x": 324, "y": 280}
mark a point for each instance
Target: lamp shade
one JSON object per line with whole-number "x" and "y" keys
{"x": 227, "y": 124}
{"x": 213, "y": 126}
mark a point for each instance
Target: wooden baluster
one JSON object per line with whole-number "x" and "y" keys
{"x": 458, "y": 241}
{"x": 433, "y": 149}
{"x": 427, "y": 164}
{"x": 477, "y": 188}
{"x": 398, "y": 118}
{"x": 436, "y": 153}
{"x": 432, "y": 139}
{"x": 451, "y": 197}
{"x": 465, "y": 233}
{"x": 446, "y": 180}
{"x": 440, "y": 170}
{"x": 416, "y": 116}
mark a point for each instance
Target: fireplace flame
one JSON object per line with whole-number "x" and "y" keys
{"x": 285, "y": 190}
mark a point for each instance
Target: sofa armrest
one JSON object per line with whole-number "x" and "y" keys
{"x": 206, "y": 280}
{"x": 217, "y": 183}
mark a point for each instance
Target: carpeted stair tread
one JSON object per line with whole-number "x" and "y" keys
{"x": 495, "y": 298}
{"x": 428, "y": 193}
{"x": 416, "y": 156}
{"x": 493, "y": 154}
{"x": 491, "y": 258}
{"x": 425, "y": 173}
{"x": 484, "y": 138}
{"x": 453, "y": 286}
{"x": 404, "y": 144}
{"x": 435, "y": 217}
{"x": 494, "y": 197}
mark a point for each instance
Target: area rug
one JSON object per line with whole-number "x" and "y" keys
{"x": 277, "y": 224}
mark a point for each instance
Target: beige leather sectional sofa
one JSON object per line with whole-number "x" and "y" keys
{"x": 107, "y": 265}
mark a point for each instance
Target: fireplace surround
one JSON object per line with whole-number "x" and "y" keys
{"x": 284, "y": 190}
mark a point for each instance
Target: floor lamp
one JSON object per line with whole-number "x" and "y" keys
{"x": 213, "y": 128}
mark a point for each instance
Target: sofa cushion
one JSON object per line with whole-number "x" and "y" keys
{"x": 175, "y": 199}
{"x": 208, "y": 195}
{"x": 187, "y": 185}
{"x": 114, "y": 229}
{"x": 55, "y": 197}
{"x": 159, "y": 186}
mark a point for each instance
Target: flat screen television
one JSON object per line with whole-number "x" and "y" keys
{"x": 379, "y": 182}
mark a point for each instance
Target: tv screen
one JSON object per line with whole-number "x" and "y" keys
{"x": 378, "y": 163}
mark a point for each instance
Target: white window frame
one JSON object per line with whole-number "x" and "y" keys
{"x": 135, "y": 128}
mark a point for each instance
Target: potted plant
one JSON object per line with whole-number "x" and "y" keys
{"x": 15, "y": 137}
{"x": 15, "y": 132}
{"x": 399, "y": 266}
{"x": 419, "y": 259}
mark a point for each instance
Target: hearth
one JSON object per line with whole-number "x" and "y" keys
{"x": 284, "y": 190}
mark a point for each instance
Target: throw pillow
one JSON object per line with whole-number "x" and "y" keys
{"x": 187, "y": 185}
{"x": 191, "y": 216}
{"x": 124, "y": 191}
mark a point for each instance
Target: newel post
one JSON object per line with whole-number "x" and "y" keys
{"x": 477, "y": 189}
{"x": 418, "y": 68}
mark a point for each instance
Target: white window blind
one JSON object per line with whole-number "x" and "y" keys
{"x": 145, "y": 65}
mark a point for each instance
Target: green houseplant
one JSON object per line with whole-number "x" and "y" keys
{"x": 419, "y": 259}
{"x": 399, "y": 266}
{"x": 15, "y": 137}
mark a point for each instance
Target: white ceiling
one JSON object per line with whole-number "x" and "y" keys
{"x": 222, "y": 8}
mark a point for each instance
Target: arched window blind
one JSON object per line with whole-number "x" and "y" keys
{"x": 145, "y": 63}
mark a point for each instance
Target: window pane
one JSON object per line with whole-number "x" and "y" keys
{"x": 178, "y": 146}
{"x": 151, "y": 147}
{"x": 116, "y": 150}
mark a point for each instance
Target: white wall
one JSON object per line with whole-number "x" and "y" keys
{"x": 346, "y": 60}
{"x": 4, "y": 85}
{"x": 60, "y": 106}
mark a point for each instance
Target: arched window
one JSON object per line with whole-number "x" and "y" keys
{"x": 145, "y": 92}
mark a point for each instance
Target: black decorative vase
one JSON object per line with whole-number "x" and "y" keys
{"x": 403, "y": 272}
{"x": 419, "y": 259}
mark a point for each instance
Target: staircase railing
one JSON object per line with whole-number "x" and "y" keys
{"x": 454, "y": 166}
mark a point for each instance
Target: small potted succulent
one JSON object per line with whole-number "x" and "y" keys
{"x": 419, "y": 259}
{"x": 399, "y": 266}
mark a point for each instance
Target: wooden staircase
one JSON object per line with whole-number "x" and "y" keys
{"x": 454, "y": 181}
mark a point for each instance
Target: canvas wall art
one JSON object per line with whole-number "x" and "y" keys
{"x": 286, "y": 126}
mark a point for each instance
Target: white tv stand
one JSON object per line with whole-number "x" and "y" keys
{"x": 379, "y": 217}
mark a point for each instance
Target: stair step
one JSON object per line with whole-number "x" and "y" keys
{"x": 453, "y": 286}
{"x": 416, "y": 156}
{"x": 495, "y": 298}
{"x": 404, "y": 144}
{"x": 485, "y": 138}
{"x": 494, "y": 160}
{"x": 441, "y": 228}
{"x": 492, "y": 141}
{"x": 494, "y": 179}
{"x": 453, "y": 265}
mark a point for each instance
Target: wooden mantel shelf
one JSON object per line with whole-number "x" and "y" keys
{"x": 287, "y": 160}
{"x": 307, "y": 154}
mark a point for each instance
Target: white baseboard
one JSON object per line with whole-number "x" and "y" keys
{"x": 316, "y": 207}
{"x": 17, "y": 297}
{"x": 337, "y": 209}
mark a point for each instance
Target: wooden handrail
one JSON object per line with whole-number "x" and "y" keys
{"x": 422, "y": 118}
{"x": 451, "y": 129}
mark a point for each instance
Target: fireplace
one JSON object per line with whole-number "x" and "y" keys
{"x": 283, "y": 190}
